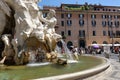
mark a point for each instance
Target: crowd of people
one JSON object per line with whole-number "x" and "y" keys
{"x": 89, "y": 50}
{"x": 103, "y": 50}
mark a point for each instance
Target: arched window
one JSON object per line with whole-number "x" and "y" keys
{"x": 105, "y": 42}
{"x": 59, "y": 44}
{"x": 94, "y": 42}
{"x": 116, "y": 42}
{"x": 69, "y": 44}
{"x": 93, "y": 22}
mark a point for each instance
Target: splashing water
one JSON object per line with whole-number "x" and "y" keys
{"x": 58, "y": 50}
{"x": 67, "y": 51}
{"x": 38, "y": 64}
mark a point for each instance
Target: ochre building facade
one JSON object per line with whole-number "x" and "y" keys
{"x": 83, "y": 25}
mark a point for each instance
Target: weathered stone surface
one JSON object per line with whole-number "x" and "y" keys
{"x": 29, "y": 29}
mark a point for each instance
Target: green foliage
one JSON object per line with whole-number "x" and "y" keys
{"x": 84, "y": 7}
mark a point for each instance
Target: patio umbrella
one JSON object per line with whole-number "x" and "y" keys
{"x": 96, "y": 46}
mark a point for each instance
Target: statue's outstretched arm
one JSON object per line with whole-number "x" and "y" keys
{"x": 44, "y": 19}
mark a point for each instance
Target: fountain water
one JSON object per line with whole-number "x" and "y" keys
{"x": 67, "y": 52}
{"x": 38, "y": 64}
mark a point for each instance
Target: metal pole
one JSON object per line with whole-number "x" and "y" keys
{"x": 112, "y": 40}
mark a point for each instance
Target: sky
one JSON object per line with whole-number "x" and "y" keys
{"x": 59, "y": 2}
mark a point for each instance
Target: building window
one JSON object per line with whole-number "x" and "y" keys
{"x": 109, "y": 16}
{"x": 81, "y": 22}
{"x": 62, "y": 33}
{"x": 62, "y": 23}
{"x": 103, "y": 16}
{"x": 115, "y": 16}
{"x": 118, "y": 16}
{"x": 93, "y": 22}
{"x": 94, "y": 33}
{"x": 117, "y": 33}
{"x": 103, "y": 23}
{"x": 114, "y": 10}
{"x": 82, "y": 33}
{"x": 62, "y": 15}
{"x": 97, "y": 9}
{"x": 93, "y": 16}
{"x": 116, "y": 42}
{"x": 69, "y": 44}
{"x": 110, "y": 23}
{"x": 69, "y": 32}
{"x": 103, "y": 9}
{"x": 104, "y": 33}
{"x": 116, "y": 23}
{"x": 81, "y": 16}
{"x": 69, "y": 15}
{"x": 106, "y": 9}
{"x": 105, "y": 42}
{"x": 110, "y": 33}
{"x": 69, "y": 22}
{"x": 94, "y": 42}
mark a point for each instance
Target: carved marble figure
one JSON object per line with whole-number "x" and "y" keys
{"x": 30, "y": 31}
{"x": 4, "y": 11}
{"x": 8, "y": 50}
{"x": 49, "y": 24}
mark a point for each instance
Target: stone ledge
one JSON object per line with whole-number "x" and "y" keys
{"x": 101, "y": 75}
{"x": 82, "y": 74}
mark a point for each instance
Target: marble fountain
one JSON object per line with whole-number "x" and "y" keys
{"x": 28, "y": 39}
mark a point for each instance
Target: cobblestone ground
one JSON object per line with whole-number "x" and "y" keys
{"x": 115, "y": 64}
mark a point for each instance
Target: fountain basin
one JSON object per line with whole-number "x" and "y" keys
{"x": 86, "y": 63}
{"x": 85, "y": 74}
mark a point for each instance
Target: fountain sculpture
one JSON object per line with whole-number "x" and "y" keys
{"x": 25, "y": 33}
{"x": 27, "y": 37}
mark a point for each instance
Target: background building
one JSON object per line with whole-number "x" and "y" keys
{"x": 82, "y": 25}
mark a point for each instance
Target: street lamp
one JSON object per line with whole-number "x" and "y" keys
{"x": 112, "y": 39}
{"x": 112, "y": 36}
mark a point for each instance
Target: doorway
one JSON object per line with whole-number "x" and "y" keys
{"x": 82, "y": 43}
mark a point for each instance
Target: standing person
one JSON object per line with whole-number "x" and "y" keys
{"x": 107, "y": 51}
{"x": 81, "y": 51}
{"x": 119, "y": 54}
{"x": 75, "y": 52}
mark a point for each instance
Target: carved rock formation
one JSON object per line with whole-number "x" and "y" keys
{"x": 29, "y": 29}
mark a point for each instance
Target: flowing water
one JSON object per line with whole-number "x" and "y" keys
{"x": 38, "y": 64}
{"x": 67, "y": 51}
{"x": 68, "y": 55}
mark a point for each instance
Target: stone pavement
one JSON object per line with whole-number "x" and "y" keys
{"x": 114, "y": 74}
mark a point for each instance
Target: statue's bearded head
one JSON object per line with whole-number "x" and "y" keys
{"x": 51, "y": 13}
